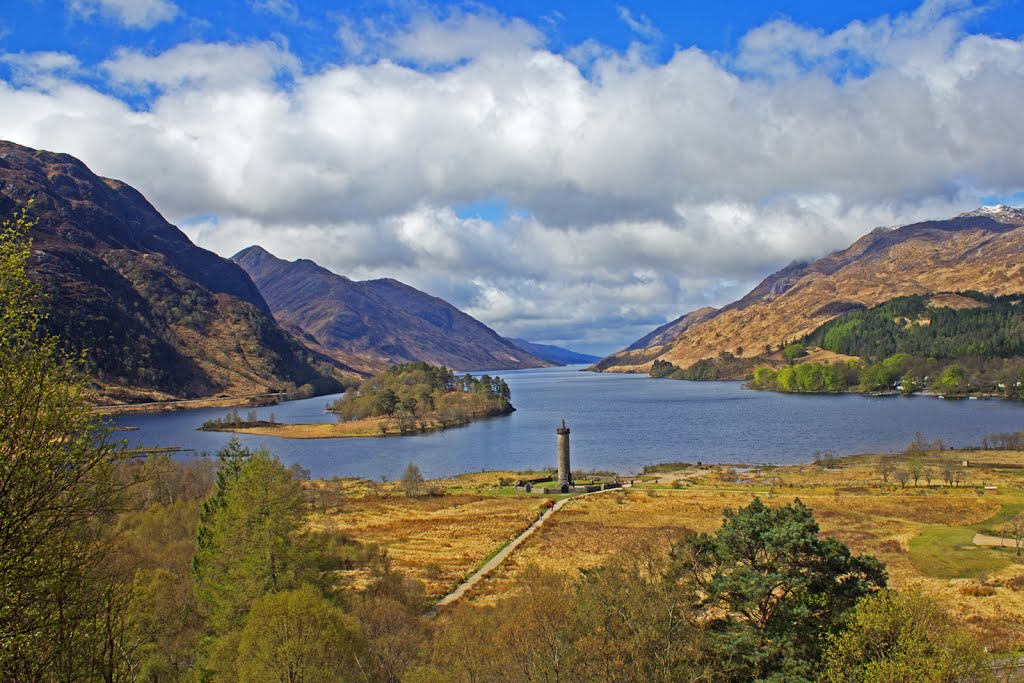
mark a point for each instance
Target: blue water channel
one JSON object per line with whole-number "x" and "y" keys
{"x": 618, "y": 422}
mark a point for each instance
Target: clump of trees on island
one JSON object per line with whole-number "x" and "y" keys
{"x": 233, "y": 420}
{"x": 420, "y": 395}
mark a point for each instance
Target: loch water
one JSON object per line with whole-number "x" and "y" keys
{"x": 618, "y": 422}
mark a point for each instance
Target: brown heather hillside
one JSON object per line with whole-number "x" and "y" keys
{"x": 158, "y": 317}
{"x": 982, "y": 250}
{"x": 373, "y": 324}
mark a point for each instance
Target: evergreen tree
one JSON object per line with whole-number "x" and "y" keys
{"x": 232, "y": 457}
{"x": 772, "y": 590}
{"x": 253, "y": 541}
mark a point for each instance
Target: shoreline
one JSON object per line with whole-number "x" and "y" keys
{"x": 175, "y": 405}
{"x": 366, "y": 428}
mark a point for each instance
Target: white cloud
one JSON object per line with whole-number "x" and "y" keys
{"x": 199, "y": 66}
{"x": 131, "y": 13}
{"x": 427, "y": 39}
{"x": 651, "y": 188}
{"x": 35, "y": 67}
{"x": 639, "y": 24}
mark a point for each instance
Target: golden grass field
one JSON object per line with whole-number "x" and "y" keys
{"x": 923, "y": 534}
{"x": 368, "y": 427}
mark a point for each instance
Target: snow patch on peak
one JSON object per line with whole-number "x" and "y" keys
{"x": 999, "y": 212}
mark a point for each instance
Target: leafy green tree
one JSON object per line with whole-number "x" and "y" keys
{"x": 786, "y": 379}
{"x": 232, "y": 458}
{"x": 772, "y": 590}
{"x": 409, "y": 404}
{"x": 254, "y": 544}
{"x": 909, "y": 384}
{"x": 662, "y": 368}
{"x": 59, "y": 487}
{"x": 298, "y": 635}
{"x": 764, "y": 377}
{"x": 794, "y": 351}
{"x": 953, "y": 381}
{"x": 903, "y": 637}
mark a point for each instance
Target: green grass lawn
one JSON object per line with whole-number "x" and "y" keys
{"x": 948, "y": 552}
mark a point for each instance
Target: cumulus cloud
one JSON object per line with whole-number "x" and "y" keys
{"x": 33, "y": 68}
{"x": 648, "y": 188}
{"x": 201, "y": 67}
{"x": 131, "y": 13}
{"x": 431, "y": 39}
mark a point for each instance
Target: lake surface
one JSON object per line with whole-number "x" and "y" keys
{"x": 618, "y": 422}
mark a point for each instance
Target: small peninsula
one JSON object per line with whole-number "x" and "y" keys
{"x": 404, "y": 400}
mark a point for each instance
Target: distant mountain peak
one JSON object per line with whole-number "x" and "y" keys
{"x": 375, "y": 323}
{"x": 253, "y": 252}
{"x": 999, "y": 212}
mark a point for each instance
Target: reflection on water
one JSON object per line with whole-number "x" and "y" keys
{"x": 619, "y": 422}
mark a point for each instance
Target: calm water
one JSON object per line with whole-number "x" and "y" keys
{"x": 618, "y": 422}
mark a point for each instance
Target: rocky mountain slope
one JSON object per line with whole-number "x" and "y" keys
{"x": 158, "y": 317}
{"x": 370, "y": 325}
{"x": 553, "y": 354}
{"x": 982, "y": 250}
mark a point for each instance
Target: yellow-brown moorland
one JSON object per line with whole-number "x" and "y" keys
{"x": 924, "y": 532}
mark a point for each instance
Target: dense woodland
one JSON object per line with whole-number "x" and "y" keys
{"x": 909, "y": 325}
{"x": 419, "y": 393}
{"x": 909, "y": 346}
{"x": 119, "y": 569}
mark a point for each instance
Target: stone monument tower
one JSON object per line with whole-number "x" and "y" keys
{"x": 564, "y": 473}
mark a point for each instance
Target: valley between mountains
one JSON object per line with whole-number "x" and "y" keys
{"x": 160, "y": 319}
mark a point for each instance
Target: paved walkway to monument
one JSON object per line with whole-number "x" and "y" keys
{"x": 493, "y": 563}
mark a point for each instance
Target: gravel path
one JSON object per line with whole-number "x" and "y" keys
{"x": 493, "y": 563}
{"x": 986, "y": 540}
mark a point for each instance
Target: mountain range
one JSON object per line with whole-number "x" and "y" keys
{"x": 158, "y": 317}
{"x": 981, "y": 250}
{"x": 553, "y": 354}
{"x": 376, "y": 323}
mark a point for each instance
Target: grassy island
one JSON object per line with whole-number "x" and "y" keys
{"x": 413, "y": 398}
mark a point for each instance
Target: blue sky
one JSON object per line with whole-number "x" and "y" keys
{"x": 572, "y": 173}
{"x": 33, "y": 25}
